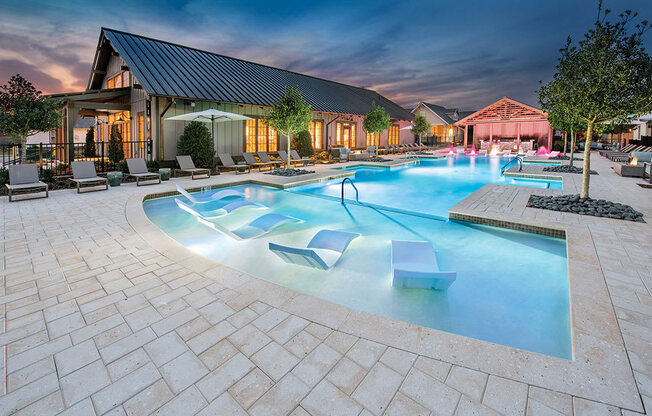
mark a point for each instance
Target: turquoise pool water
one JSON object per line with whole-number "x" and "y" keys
{"x": 511, "y": 288}
{"x": 430, "y": 187}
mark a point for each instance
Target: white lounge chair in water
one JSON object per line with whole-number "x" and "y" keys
{"x": 256, "y": 228}
{"x": 202, "y": 199}
{"x": 323, "y": 251}
{"x": 414, "y": 265}
{"x": 218, "y": 212}
{"x": 507, "y": 152}
{"x": 553, "y": 154}
{"x": 530, "y": 153}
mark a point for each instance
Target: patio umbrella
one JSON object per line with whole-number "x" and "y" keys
{"x": 210, "y": 116}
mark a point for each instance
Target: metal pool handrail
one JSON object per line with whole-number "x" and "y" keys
{"x": 520, "y": 164}
{"x": 354, "y": 187}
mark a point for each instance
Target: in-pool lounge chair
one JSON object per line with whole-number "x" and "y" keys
{"x": 306, "y": 160}
{"x": 323, "y": 251}
{"x": 553, "y": 153}
{"x": 251, "y": 161}
{"x": 187, "y": 165}
{"x": 482, "y": 152}
{"x": 256, "y": 228}
{"x": 138, "y": 169}
{"x": 218, "y": 212}
{"x": 530, "y": 153}
{"x": 85, "y": 175}
{"x": 507, "y": 152}
{"x": 264, "y": 157}
{"x": 202, "y": 199}
{"x": 228, "y": 163}
{"x": 24, "y": 179}
{"x": 414, "y": 265}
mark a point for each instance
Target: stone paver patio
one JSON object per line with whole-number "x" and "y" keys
{"x": 102, "y": 314}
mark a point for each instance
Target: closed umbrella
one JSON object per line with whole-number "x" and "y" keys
{"x": 210, "y": 116}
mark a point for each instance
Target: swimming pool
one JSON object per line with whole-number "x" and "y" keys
{"x": 511, "y": 288}
{"x": 430, "y": 187}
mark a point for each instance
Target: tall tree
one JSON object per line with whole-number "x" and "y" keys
{"x": 376, "y": 120}
{"x": 24, "y": 111}
{"x": 116, "y": 151}
{"x": 290, "y": 115}
{"x": 607, "y": 76}
{"x": 89, "y": 147}
{"x": 420, "y": 126}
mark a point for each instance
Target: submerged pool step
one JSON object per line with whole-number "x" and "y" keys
{"x": 373, "y": 206}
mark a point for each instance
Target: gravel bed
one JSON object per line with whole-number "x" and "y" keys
{"x": 587, "y": 206}
{"x": 289, "y": 172}
{"x": 567, "y": 169}
{"x": 562, "y": 157}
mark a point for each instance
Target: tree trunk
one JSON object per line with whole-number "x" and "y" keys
{"x": 587, "y": 161}
{"x": 289, "y": 157}
{"x": 565, "y": 141}
{"x": 23, "y": 149}
{"x": 572, "y": 146}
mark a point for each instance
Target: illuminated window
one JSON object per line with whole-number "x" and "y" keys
{"x": 272, "y": 139}
{"x": 393, "y": 134}
{"x": 262, "y": 135}
{"x": 118, "y": 81}
{"x": 141, "y": 130}
{"x": 339, "y": 133}
{"x": 345, "y": 134}
{"x": 372, "y": 139}
{"x": 316, "y": 134}
{"x": 250, "y": 136}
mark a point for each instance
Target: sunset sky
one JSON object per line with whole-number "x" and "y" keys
{"x": 455, "y": 53}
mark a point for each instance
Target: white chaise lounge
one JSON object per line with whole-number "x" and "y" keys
{"x": 530, "y": 153}
{"x": 323, "y": 251}
{"x": 414, "y": 265}
{"x": 218, "y": 212}
{"x": 202, "y": 199}
{"x": 553, "y": 154}
{"x": 256, "y": 228}
{"x": 23, "y": 178}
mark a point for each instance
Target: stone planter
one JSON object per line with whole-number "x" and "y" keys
{"x": 114, "y": 178}
{"x": 165, "y": 173}
{"x": 632, "y": 171}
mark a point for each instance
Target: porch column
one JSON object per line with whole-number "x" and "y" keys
{"x": 70, "y": 132}
{"x": 491, "y": 133}
{"x": 518, "y": 135}
{"x": 466, "y": 136}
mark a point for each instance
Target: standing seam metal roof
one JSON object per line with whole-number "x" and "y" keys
{"x": 167, "y": 69}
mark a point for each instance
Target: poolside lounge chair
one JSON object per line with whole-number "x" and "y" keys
{"x": 264, "y": 157}
{"x": 202, "y": 199}
{"x": 138, "y": 169}
{"x": 284, "y": 156}
{"x": 218, "y": 212}
{"x": 256, "y": 228}
{"x": 85, "y": 175}
{"x": 306, "y": 160}
{"x": 227, "y": 162}
{"x": 507, "y": 152}
{"x": 251, "y": 161}
{"x": 414, "y": 265}
{"x": 372, "y": 150}
{"x": 553, "y": 154}
{"x": 24, "y": 179}
{"x": 530, "y": 153}
{"x": 187, "y": 165}
{"x": 323, "y": 251}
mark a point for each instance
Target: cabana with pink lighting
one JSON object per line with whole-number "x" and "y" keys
{"x": 506, "y": 125}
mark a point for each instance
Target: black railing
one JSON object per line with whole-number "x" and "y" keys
{"x": 57, "y": 156}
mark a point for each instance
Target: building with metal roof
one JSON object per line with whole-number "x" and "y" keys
{"x": 442, "y": 121}
{"x": 137, "y": 83}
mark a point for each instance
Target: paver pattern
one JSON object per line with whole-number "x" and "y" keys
{"x": 95, "y": 321}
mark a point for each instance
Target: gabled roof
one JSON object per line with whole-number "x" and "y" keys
{"x": 505, "y": 109}
{"x": 447, "y": 115}
{"x": 171, "y": 70}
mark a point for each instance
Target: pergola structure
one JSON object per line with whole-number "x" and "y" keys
{"x": 508, "y": 119}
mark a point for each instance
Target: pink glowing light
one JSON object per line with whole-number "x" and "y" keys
{"x": 452, "y": 151}
{"x": 543, "y": 151}
{"x": 473, "y": 151}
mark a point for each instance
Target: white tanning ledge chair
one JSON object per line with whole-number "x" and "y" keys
{"x": 414, "y": 265}
{"x": 202, "y": 199}
{"x": 218, "y": 212}
{"x": 256, "y": 228}
{"x": 324, "y": 250}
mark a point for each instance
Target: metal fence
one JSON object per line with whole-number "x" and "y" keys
{"x": 57, "y": 156}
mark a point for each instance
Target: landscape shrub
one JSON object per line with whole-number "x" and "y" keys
{"x": 89, "y": 147}
{"x": 196, "y": 141}
{"x": 4, "y": 176}
{"x": 47, "y": 176}
{"x": 116, "y": 152}
{"x": 302, "y": 143}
